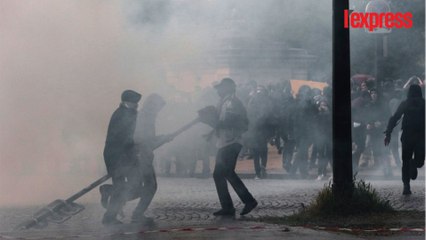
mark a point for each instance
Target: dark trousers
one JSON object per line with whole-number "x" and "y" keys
{"x": 301, "y": 159}
{"x": 119, "y": 165}
{"x": 226, "y": 160}
{"x": 147, "y": 190}
{"x": 412, "y": 145}
{"x": 146, "y": 182}
{"x": 119, "y": 193}
{"x": 287, "y": 154}
{"x": 324, "y": 156}
{"x": 260, "y": 157}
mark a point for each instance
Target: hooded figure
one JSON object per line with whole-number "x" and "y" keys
{"x": 413, "y": 134}
{"x": 146, "y": 141}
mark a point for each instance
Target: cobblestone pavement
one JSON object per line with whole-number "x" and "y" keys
{"x": 195, "y": 199}
{"x": 184, "y": 202}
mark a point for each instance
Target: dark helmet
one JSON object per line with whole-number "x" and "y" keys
{"x": 130, "y": 96}
{"x": 316, "y": 91}
{"x": 304, "y": 91}
{"x": 226, "y": 83}
{"x": 414, "y": 91}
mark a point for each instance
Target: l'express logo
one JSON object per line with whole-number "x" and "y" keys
{"x": 378, "y": 18}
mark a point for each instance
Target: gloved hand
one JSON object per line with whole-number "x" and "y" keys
{"x": 387, "y": 139}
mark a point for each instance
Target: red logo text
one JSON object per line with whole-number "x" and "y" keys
{"x": 372, "y": 20}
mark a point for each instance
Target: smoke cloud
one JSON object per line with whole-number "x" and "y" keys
{"x": 64, "y": 64}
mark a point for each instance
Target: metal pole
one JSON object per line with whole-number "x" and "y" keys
{"x": 87, "y": 189}
{"x": 342, "y": 125}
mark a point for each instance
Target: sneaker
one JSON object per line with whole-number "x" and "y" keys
{"x": 248, "y": 207}
{"x": 256, "y": 178}
{"x": 105, "y": 191}
{"x": 225, "y": 212}
{"x": 413, "y": 171}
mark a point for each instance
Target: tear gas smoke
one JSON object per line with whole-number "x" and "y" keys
{"x": 64, "y": 64}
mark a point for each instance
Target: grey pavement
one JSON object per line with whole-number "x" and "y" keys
{"x": 188, "y": 203}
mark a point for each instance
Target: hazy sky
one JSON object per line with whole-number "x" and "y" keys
{"x": 63, "y": 66}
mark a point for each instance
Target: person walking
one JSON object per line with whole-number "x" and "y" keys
{"x": 376, "y": 115}
{"x": 231, "y": 123}
{"x": 146, "y": 140}
{"x": 117, "y": 154}
{"x": 322, "y": 137}
{"x": 413, "y": 134}
{"x": 259, "y": 111}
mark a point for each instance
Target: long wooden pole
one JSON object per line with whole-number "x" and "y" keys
{"x": 39, "y": 219}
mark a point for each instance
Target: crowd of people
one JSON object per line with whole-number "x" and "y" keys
{"x": 298, "y": 125}
{"x": 245, "y": 122}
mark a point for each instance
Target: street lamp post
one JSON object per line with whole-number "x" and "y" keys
{"x": 381, "y": 52}
{"x": 342, "y": 125}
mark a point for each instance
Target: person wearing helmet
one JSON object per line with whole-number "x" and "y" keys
{"x": 232, "y": 122}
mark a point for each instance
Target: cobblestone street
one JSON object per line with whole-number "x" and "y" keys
{"x": 184, "y": 202}
{"x": 195, "y": 199}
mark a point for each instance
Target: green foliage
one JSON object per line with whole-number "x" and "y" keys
{"x": 364, "y": 200}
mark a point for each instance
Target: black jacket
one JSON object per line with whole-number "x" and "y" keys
{"x": 413, "y": 121}
{"x": 119, "y": 140}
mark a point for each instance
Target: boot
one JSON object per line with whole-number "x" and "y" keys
{"x": 248, "y": 207}
{"x": 406, "y": 190}
{"x": 105, "y": 191}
